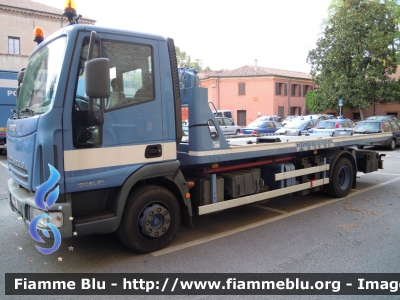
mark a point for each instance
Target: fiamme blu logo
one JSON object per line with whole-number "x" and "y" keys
{"x": 50, "y": 189}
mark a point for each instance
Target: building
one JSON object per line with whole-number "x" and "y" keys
{"x": 253, "y": 91}
{"x": 18, "y": 19}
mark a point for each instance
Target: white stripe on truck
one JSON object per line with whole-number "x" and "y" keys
{"x": 8, "y": 83}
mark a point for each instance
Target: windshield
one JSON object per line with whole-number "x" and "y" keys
{"x": 295, "y": 125}
{"x": 41, "y": 78}
{"x": 368, "y": 127}
{"x": 257, "y": 124}
{"x": 326, "y": 125}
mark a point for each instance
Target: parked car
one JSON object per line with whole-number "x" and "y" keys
{"x": 317, "y": 117}
{"x": 259, "y": 127}
{"x": 375, "y": 126}
{"x": 334, "y": 125}
{"x": 289, "y": 119}
{"x": 379, "y": 118}
{"x": 228, "y": 127}
{"x": 297, "y": 126}
{"x": 224, "y": 113}
{"x": 269, "y": 118}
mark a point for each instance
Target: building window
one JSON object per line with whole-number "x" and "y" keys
{"x": 307, "y": 88}
{"x": 242, "y": 88}
{"x": 278, "y": 89}
{"x": 296, "y": 90}
{"x": 13, "y": 45}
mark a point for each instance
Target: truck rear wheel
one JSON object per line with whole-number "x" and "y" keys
{"x": 150, "y": 220}
{"x": 342, "y": 179}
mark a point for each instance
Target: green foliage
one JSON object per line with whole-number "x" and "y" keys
{"x": 353, "y": 59}
{"x": 311, "y": 102}
{"x": 184, "y": 60}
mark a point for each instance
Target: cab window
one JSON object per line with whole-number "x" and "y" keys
{"x": 131, "y": 83}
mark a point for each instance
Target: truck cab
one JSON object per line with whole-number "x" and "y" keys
{"x": 53, "y": 125}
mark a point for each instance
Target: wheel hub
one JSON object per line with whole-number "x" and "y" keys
{"x": 155, "y": 221}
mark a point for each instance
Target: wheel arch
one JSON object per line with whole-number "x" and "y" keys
{"x": 165, "y": 174}
{"x": 333, "y": 158}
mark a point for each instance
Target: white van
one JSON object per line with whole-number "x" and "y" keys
{"x": 224, "y": 113}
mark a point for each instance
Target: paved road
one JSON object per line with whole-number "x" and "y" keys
{"x": 359, "y": 233}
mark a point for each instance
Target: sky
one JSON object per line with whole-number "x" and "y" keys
{"x": 223, "y": 34}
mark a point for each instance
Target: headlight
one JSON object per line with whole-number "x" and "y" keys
{"x": 56, "y": 218}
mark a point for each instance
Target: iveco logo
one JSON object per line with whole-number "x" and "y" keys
{"x": 12, "y": 127}
{"x": 15, "y": 162}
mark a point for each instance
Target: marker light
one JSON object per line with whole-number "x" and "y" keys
{"x": 38, "y": 35}
{"x": 70, "y": 10}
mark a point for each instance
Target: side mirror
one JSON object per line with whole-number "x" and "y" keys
{"x": 97, "y": 79}
{"x": 20, "y": 77}
{"x": 97, "y": 83}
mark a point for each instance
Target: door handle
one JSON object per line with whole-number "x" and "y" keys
{"x": 153, "y": 151}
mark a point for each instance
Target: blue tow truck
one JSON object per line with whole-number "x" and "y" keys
{"x": 103, "y": 107}
{"x": 8, "y": 87}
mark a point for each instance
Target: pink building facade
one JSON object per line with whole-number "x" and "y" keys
{"x": 252, "y": 91}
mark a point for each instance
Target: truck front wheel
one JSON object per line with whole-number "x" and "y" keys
{"x": 342, "y": 179}
{"x": 150, "y": 220}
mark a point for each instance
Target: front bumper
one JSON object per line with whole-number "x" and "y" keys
{"x": 24, "y": 199}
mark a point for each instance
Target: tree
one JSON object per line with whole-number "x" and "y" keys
{"x": 356, "y": 55}
{"x": 312, "y": 102}
{"x": 184, "y": 60}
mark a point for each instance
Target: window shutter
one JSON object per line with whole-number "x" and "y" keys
{"x": 299, "y": 93}
{"x": 241, "y": 88}
{"x": 277, "y": 88}
{"x": 293, "y": 86}
{"x": 285, "y": 89}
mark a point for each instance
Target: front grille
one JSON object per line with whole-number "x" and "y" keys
{"x": 19, "y": 173}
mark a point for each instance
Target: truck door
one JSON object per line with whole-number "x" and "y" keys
{"x": 132, "y": 134}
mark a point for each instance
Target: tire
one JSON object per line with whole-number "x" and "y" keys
{"x": 150, "y": 219}
{"x": 341, "y": 180}
{"x": 392, "y": 145}
{"x": 360, "y": 147}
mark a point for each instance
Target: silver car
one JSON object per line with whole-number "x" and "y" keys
{"x": 227, "y": 126}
